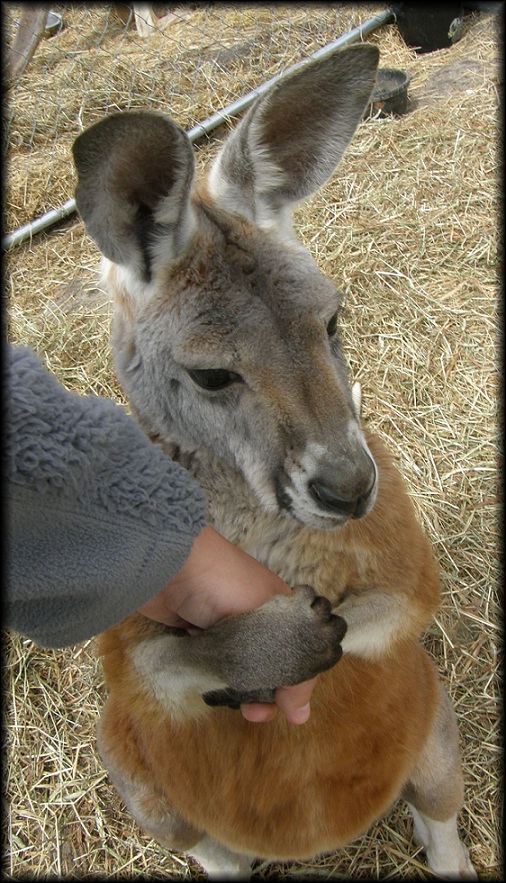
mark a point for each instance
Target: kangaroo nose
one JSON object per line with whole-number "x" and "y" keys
{"x": 327, "y": 499}
{"x": 325, "y": 493}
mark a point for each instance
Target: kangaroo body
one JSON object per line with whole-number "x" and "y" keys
{"x": 277, "y": 790}
{"x": 225, "y": 340}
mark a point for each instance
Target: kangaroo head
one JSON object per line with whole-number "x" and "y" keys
{"x": 225, "y": 335}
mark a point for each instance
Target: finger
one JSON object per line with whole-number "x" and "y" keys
{"x": 294, "y": 701}
{"x": 259, "y": 712}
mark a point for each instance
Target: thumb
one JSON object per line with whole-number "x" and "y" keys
{"x": 294, "y": 701}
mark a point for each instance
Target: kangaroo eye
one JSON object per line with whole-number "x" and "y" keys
{"x": 332, "y": 325}
{"x": 214, "y": 378}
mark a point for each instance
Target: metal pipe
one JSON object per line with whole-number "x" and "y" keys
{"x": 47, "y": 220}
{"x": 242, "y": 103}
{"x": 204, "y": 128}
{"x": 484, "y": 7}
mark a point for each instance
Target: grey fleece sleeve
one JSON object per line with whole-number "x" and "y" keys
{"x": 98, "y": 518}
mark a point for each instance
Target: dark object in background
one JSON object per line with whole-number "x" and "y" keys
{"x": 390, "y": 93}
{"x": 428, "y": 26}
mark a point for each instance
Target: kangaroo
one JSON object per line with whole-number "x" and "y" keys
{"x": 225, "y": 340}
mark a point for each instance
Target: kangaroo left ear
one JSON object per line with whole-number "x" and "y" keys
{"x": 135, "y": 172}
{"x": 293, "y": 137}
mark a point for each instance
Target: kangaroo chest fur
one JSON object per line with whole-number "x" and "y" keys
{"x": 277, "y": 790}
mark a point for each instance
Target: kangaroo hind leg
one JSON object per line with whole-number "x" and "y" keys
{"x": 157, "y": 817}
{"x": 434, "y": 793}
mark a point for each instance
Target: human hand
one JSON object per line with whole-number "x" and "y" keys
{"x": 292, "y": 701}
{"x": 218, "y": 580}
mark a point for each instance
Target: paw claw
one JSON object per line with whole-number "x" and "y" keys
{"x": 322, "y": 605}
{"x": 235, "y": 698}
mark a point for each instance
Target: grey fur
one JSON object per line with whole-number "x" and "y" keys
{"x": 279, "y": 449}
{"x": 219, "y": 292}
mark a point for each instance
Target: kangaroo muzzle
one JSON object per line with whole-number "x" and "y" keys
{"x": 325, "y": 488}
{"x": 339, "y": 498}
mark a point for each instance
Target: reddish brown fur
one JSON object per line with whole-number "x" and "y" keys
{"x": 279, "y": 790}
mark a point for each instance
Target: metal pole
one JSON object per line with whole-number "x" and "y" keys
{"x": 204, "y": 128}
{"x": 242, "y": 103}
{"x": 47, "y": 220}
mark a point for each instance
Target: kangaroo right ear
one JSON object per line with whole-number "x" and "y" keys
{"x": 294, "y": 135}
{"x": 135, "y": 171}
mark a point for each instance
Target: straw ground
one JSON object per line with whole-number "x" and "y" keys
{"x": 407, "y": 228}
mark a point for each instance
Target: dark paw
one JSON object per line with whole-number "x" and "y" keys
{"x": 319, "y": 631}
{"x": 236, "y": 698}
{"x": 323, "y": 607}
{"x": 289, "y": 639}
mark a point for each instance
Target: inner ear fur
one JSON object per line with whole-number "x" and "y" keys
{"x": 293, "y": 137}
{"x": 135, "y": 171}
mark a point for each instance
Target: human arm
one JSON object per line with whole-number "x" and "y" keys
{"x": 100, "y": 521}
{"x": 218, "y": 580}
{"x": 98, "y": 517}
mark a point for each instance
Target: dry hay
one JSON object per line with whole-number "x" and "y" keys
{"x": 201, "y": 63}
{"x": 407, "y": 228}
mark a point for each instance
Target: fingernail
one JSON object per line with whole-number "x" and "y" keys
{"x": 300, "y": 715}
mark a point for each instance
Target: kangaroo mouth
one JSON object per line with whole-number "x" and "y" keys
{"x": 283, "y": 498}
{"x": 308, "y": 512}
{"x": 317, "y": 505}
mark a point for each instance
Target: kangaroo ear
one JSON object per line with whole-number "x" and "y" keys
{"x": 135, "y": 171}
{"x": 293, "y": 137}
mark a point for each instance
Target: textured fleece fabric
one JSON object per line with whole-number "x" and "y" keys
{"x": 98, "y": 518}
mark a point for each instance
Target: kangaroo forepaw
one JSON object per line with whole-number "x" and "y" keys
{"x": 288, "y": 640}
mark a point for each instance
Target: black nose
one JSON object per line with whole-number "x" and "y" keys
{"x": 327, "y": 499}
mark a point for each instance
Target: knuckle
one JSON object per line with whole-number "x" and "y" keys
{"x": 340, "y": 625}
{"x": 304, "y": 592}
{"x": 321, "y": 605}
